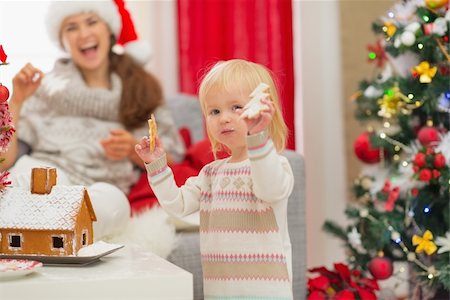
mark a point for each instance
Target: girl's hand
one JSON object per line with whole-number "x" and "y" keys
{"x": 143, "y": 150}
{"x": 25, "y": 83}
{"x": 119, "y": 145}
{"x": 261, "y": 121}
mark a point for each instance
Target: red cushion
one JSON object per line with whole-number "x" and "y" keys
{"x": 141, "y": 195}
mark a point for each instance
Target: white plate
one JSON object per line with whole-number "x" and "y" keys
{"x": 13, "y": 268}
{"x": 64, "y": 261}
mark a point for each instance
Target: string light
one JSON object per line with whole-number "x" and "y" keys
{"x": 395, "y": 143}
{"x": 420, "y": 46}
{"x": 426, "y": 209}
{"x": 405, "y": 163}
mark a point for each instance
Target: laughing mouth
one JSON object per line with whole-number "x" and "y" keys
{"x": 88, "y": 48}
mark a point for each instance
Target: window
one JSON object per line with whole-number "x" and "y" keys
{"x": 58, "y": 242}
{"x": 25, "y": 44}
{"x": 84, "y": 239}
{"x": 15, "y": 241}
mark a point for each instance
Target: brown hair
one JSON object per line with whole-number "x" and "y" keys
{"x": 141, "y": 91}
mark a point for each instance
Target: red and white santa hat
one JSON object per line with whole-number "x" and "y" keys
{"x": 115, "y": 14}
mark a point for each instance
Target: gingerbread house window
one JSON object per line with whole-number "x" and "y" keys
{"x": 57, "y": 242}
{"x": 15, "y": 241}
{"x": 84, "y": 238}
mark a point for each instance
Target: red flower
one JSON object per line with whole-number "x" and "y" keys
{"x": 340, "y": 284}
{"x": 420, "y": 159}
{"x": 425, "y": 175}
{"x": 317, "y": 295}
{"x": 430, "y": 151}
{"x": 414, "y": 192}
{"x": 344, "y": 295}
{"x": 380, "y": 56}
{"x": 319, "y": 283}
{"x": 439, "y": 161}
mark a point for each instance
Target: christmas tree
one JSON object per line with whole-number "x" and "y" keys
{"x": 6, "y": 128}
{"x": 401, "y": 208}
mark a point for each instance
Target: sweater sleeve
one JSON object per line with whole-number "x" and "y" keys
{"x": 179, "y": 201}
{"x": 271, "y": 173}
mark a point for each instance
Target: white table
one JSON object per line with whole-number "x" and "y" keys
{"x": 128, "y": 274}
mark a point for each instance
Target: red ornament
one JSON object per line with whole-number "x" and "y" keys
{"x": 380, "y": 268}
{"x": 420, "y": 159}
{"x": 439, "y": 161}
{"x": 425, "y": 175}
{"x": 4, "y": 93}
{"x": 364, "y": 151}
{"x": 428, "y": 136}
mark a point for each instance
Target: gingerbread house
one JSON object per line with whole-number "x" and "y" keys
{"x": 46, "y": 219}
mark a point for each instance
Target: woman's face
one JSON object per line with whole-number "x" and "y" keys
{"x": 87, "y": 38}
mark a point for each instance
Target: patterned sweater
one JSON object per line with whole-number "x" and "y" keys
{"x": 65, "y": 120}
{"x": 244, "y": 240}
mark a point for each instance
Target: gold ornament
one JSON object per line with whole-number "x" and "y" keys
{"x": 425, "y": 71}
{"x": 424, "y": 243}
{"x": 435, "y": 4}
{"x": 392, "y": 103}
{"x": 389, "y": 28}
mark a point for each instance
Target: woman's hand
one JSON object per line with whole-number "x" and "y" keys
{"x": 25, "y": 83}
{"x": 261, "y": 121}
{"x": 143, "y": 150}
{"x": 119, "y": 145}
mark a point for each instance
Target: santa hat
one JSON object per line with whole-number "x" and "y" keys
{"x": 114, "y": 14}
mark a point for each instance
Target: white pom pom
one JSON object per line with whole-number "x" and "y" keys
{"x": 408, "y": 38}
{"x": 140, "y": 51}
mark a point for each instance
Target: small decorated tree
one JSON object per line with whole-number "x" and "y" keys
{"x": 401, "y": 211}
{"x": 6, "y": 128}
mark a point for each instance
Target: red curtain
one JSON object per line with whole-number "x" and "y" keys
{"x": 257, "y": 30}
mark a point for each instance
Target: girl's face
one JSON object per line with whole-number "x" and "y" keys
{"x": 88, "y": 40}
{"x": 222, "y": 111}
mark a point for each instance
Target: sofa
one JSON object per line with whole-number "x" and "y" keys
{"x": 188, "y": 118}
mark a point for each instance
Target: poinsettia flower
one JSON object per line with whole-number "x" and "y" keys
{"x": 344, "y": 295}
{"x": 366, "y": 295}
{"x": 319, "y": 283}
{"x": 377, "y": 54}
{"x": 317, "y": 295}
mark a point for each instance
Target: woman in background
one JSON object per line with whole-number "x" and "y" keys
{"x": 86, "y": 115}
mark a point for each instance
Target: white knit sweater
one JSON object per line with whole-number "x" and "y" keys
{"x": 65, "y": 120}
{"x": 244, "y": 240}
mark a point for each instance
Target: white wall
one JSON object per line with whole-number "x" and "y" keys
{"x": 156, "y": 23}
{"x": 318, "y": 72}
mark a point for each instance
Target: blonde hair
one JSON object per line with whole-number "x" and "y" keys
{"x": 243, "y": 76}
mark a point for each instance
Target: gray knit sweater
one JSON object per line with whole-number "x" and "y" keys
{"x": 65, "y": 120}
